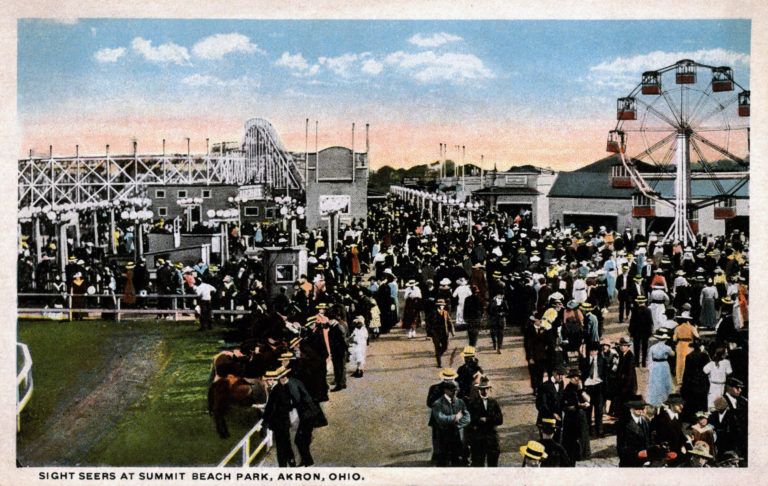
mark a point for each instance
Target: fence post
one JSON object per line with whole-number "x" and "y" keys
{"x": 175, "y": 307}
{"x": 69, "y": 300}
{"x": 246, "y": 450}
{"x": 119, "y": 300}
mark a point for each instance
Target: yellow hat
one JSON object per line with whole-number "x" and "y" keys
{"x": 533, "y": 450}
{"x": 468, "y": 351}
{"x": 448, "y": 374}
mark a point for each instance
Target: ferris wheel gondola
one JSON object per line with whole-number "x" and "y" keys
{"x": 686, "y": 117}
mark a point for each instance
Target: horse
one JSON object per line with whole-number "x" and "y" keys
{"x": 233, "y": 390}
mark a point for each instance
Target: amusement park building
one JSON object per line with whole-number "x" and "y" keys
{"x": 600, "y": 194}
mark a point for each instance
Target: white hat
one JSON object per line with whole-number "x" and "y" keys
{"x": 445, "y": 281}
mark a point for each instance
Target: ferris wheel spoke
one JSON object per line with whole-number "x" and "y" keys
{"x": 656, "y": 146}
{"x": 661, "y": 116}
{"x": 703, "y": 95}
{"x": 672, "y": 108}
{"x": 720, "y": 149}
{"x": 718, "y": 108}
{"x": 707, "y": 167}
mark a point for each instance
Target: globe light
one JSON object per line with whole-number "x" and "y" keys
{"x": 124, "y": 215}
{"x": 132, "y": 214}
{"x": 219, "y": 213}
{"x": 211, "y": 213}
{"x": 300, "y": 210}
{"x": 283, "y": 210}
{"x": 230, "y": 199}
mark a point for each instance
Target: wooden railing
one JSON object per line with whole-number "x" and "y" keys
{"x": 244, "y": 447}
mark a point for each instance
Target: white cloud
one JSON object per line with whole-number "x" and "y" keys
{"x": 659, "y": 59}
{"x": 219, "y": 45}
{"x": 372, "y": 66}
{"x": 168, "y": 52}
{"x": 109, "y": 55}
{"x": 295, "y": 62}
{"x": 207, "y": 80}
{"x": 434, "y": 40}
{"x": 340, "y": 64}
{"x": 624, "y": 72}
{"x": 429, "y": 67}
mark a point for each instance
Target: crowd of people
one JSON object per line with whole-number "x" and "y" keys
{"x": 686, "y": 308}
{"x": 555, "y": 286}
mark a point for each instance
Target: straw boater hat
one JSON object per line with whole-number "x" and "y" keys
{"x": 641, "y": 299}
{"x": 321, "y": 305}
{"x": 448, "y": 374}
{"x": 727, "y": 300}
{"x": 130, "y": 266}
{"x": 701, "y": 449}
{"x": 411, "y": 283}
{"x": 445, "y": 281}
{"x": 468, "y": 351}
{"x": 533, "y": 450}
{"x": 310, "y": 321}
{"x": 637, "y": 278}
{"x": 287, "y": 355}
{"x": 586, "y": 306}
{"x": 485, "y": 383}
{"x": 294, "y": 342}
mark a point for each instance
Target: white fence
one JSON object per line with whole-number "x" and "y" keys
{"x": 244, "y": 447}
{"x": 24, "y": 383}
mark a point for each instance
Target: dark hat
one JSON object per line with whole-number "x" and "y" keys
{"x": 484, "y": 383}
{"x": 661, "y": 333}
{"x": 572, "y": 373}
{"x": 625, "y": 341}
{"x": 560, "y": 370}
{"x": 733, "y": 381}
{"x": 674, "y": 399}
{"x": 637, "y": 403}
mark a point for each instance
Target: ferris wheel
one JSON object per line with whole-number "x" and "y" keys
{"x": 684, "y": 124}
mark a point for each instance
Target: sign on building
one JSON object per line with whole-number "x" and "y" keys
{"x": 334, "y": 203}
{"x": 251, "y": 193}
{"x": 516, "y": 181}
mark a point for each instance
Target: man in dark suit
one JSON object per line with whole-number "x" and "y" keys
{"x": 626, "y": 384}
{"x": 593, "y": 368}
{"x": 449, "y": 417}
{"x": 485, "y": 415}
{"x": 624, "y": 284}
{"x": 539, "y": 344}
{"x": 337, "y": 340}
{"x": 549, "y": 400}
{"x": 557, "y": 456}
{"x": 435, "y": 392}
{"x": 666, "y": 426}
{"x": 289, "y": 403}
{"x": 635, "y": 434}
{"x": 641, "y": 328}
{"x": 469, "y": 373}
{"x": 739, "y": 407}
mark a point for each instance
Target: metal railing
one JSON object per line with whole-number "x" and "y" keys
{"x": 244, "y": 447}
{"x": 119, "y": 308}
{"x": 23, "y": 379}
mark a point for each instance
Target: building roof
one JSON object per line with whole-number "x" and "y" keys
{"x": 593, "y": 182}
{"x": 506, "y": 191}
{"x": 700, "y": 188}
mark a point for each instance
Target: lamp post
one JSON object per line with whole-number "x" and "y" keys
{"x": 291, "y": 211}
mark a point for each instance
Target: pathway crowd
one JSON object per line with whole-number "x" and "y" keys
{"x": 686, "y": 309}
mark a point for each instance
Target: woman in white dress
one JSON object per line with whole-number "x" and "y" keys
{"x": 717, "y": 370}
{"x": 461, "y": 293}
{"x": 358, "y": 348}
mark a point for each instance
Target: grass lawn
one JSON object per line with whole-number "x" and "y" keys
{"x": 168, "y": 424}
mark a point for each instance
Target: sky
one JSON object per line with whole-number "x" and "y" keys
{"x": 516, "y": 92}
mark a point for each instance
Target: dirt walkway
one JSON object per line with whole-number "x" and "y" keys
{"x": 95, "y": 406}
